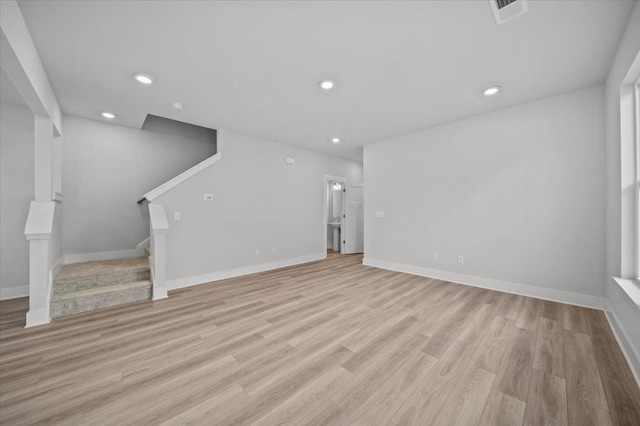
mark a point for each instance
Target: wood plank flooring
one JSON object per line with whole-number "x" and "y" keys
{"x": 327, "y": 343}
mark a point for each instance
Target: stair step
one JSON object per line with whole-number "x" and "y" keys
{"x": 65, "y": 304}
{"x": 89, "y": 275}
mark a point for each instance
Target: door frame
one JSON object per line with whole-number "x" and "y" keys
{"x": 344, "y": 210}
{"x": 325, "y": 185}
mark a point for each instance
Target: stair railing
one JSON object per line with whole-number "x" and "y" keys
{"x": 158, "y": 258}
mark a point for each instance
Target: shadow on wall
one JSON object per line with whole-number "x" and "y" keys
{"x": 154, "y": 123}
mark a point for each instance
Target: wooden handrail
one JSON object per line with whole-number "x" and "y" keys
{"x": 188, "y": 174}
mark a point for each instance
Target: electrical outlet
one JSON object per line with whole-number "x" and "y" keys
{"x": 434, "y": 256}
{"x": 208, "y": 197}
{"x": 460, "y": 259}
{"x": 274, "y": 249}
{"x": 257, "y": 252}
{"x": 176, "y": 216}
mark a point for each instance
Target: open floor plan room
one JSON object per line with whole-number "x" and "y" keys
{"x": 314, "y": 212}
{"x": 330, "y": 342}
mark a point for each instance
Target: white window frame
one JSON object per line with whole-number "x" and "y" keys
{"x": 636, "y": 92}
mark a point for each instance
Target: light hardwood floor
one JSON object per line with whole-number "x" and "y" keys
{"x": 330, "y": 342}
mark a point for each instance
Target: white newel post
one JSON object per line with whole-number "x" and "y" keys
{"x": 159, "y": 229}
{"x": 38, "y": 232}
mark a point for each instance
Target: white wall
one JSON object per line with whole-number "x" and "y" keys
{"x": 621, "y": 201}
{"x": 106, "y": 170}
{"x": 213, "y": 238}
{"x": 329, "y": 214}
{"x": 518, "y": 192}
{"x": 16, "y": 193}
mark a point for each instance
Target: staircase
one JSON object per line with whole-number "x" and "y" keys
{"x": 89, "y": 286}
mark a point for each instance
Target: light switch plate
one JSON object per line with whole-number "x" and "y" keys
{"x": 208, "y": 197}
{"x": 378, "y": 214}
{"x": 176, "y": 216}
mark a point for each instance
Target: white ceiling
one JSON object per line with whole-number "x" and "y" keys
{"x": 254, "y": 67}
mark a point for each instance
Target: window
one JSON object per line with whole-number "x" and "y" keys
{"x": 629, "y": 279}
{"x": 637, "y": 170}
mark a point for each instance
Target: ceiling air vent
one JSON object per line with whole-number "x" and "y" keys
{"x": 505, "y": 10}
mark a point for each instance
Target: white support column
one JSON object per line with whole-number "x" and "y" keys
{"x": 43, "y": 158}
{"x": 21, "y": 63}
{"x": 56, "y": 167}
{"x": 158, "y": 259}
{"x": 159, "y": 229}
{"x": 38, "y": 232}
{"x": 39, "y": 293}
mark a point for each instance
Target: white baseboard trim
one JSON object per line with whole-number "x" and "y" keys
{"x": 140, "y": 247}
{"x": 14, "y": 292}
{"x": 160, "y": 295}
{"x": 23, "y": 290}
{"x": 246, "y": 270}
{"x": 105, "y": 255}
{"x": 629, "y": 351}
{"x": 57, "y": 267}
{"x": 504, "y": 286}
{"x": 35, "y": 318}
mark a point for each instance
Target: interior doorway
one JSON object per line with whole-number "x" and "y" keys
{"x": 343, "y": 219}
{"x": 333, "y": 212}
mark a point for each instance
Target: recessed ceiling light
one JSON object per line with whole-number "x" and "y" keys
{"x": 490, "y": 91}
{"x": 144, "y": 79}
{"x": 335, "y": 140}
{"x": 176, "y": 105}
{"x": 327, "y": 84}
{"x": 108, "y": 115}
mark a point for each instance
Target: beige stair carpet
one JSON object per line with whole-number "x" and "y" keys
{"x": 90, "y": 286}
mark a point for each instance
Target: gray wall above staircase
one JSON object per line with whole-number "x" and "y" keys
{"x": 157, "y": 124}
{"x": 106, "y": 169}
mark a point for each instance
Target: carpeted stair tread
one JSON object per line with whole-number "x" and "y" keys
{"x": 65, "y": 304}
{"x": 101, "y": 290}
{"x": 87, "y": 275}
{"x": 78, "y": 270}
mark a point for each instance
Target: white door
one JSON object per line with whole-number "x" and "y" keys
{"x": 353, "y": 235}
